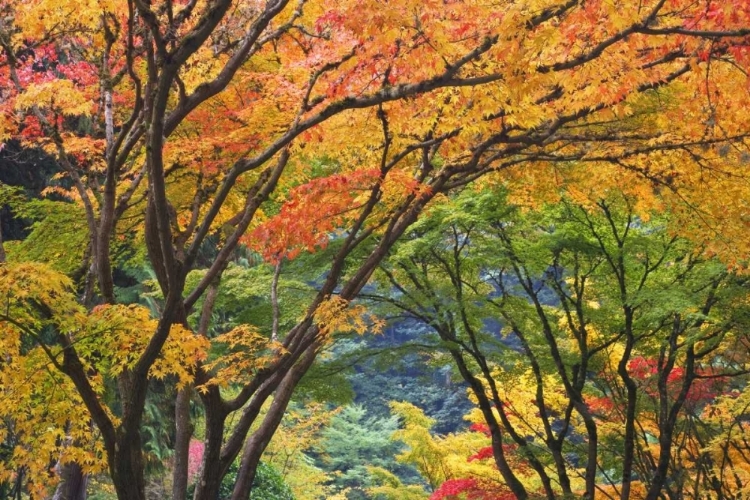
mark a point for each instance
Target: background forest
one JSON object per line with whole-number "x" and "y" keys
{"x": 446, "y": 250}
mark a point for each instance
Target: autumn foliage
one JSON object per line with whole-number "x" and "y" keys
{"x": 191, "y": 134}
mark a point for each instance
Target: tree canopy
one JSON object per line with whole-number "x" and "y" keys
{"x": 194, "y": 137}
{"x": 619, "y": 341}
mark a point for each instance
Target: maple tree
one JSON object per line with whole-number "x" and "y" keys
{"x": 185, "y": 125}
{"x": 453, "y": 466}
{"x": 619, "y": 338}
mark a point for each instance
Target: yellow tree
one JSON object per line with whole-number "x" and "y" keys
{"x": 186, "y": 116}
{"x": 452, "y": 465}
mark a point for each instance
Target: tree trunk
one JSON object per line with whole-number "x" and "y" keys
{"x": 630, "y": 410}
{"x": 73, "y": 483}
{"x": 259, "y": 440}
{"x": 591, "y": 447}
{"x": 183, "y": 425}
{"x": 510, "y": 478}
{"x": 2, "y": 248}
{"x": 211, "y": 474}
{"x": 126, "y": 466}
{"x": 183, "y": 433}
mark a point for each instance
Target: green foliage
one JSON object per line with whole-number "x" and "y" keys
{"x": 392, "y": 366}
{"x": 155, "y": 434}
{"x": 267, "y": 485}
{"x": 435, "y": 389}
{"x": 321, "y": 383}
{"x": 51, "y": 219}
{"x": 245, "y": 298}
{"x": 390, "y": 487}
{"x": 354, "y": 442}
{"x": 567, "y": 302}
{"x": 11, "y": 195}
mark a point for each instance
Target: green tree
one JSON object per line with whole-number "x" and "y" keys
{"x": 354, "y": 442}
{"x": 268, "y": 484}
{"x": 613, "y": 332}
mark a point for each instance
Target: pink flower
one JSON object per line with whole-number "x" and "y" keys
{"x": 195, "y": 456}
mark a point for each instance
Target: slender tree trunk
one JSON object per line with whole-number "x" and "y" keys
{"x": 629, "y": 444}
{"x": 554, "y": 445}
{"x": 668, "y": 413}
{"x": 510, "y": 478}
{"x": 126, "y": 464}
{"x": 183, "y": 433}
{"x": 211, "y": 474}
{"x": 183, "y": 425}
{"x": 592, "y": 447}
{"x": 258, "y": 441}
{"x": 2, "y": 248}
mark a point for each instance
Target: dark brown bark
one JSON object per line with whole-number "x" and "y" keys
{"x": 496, "y": 432}
{"x": 207, "y": 487}
{"x": 553, "y": 443}
{"x": 183, "y": 433}
{"x": 2, "y": 248}
{"x": 631, "y": 395}
{"x": 259, "y": 440}
{"x": 126, "y": 465}
{"x": 183, "y": 425}
{"x": 669, "y": 411}
{"x": 568, "y": 379}
{"x": 591, "y": 446}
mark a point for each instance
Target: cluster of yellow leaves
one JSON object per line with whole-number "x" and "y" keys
{"x": 39, "y": 19}
{"x": 425, "y": 451}
{"x": 337, "y": 315}
{"x": 390, "y": 486}
{"x": 35, "y": 296}
{"x": 7, "y": 128}
{"x": 58, "y": 95}
{"x": 300, "y": 432}
{"x": 125, "y": 332}
{"x": 729, "y": 447}
{"x": 41, "y": 413}
{"x": 519, "y": 394}
{"x": 40, "y": 416}
{"x": 39, "y": 407}
{"x": 247, "y": 352}
{"x": 39, "y": 303}
{"x": 441, "y": 458}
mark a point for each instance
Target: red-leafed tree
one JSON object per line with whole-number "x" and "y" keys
{"x": 468, "y": 489}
